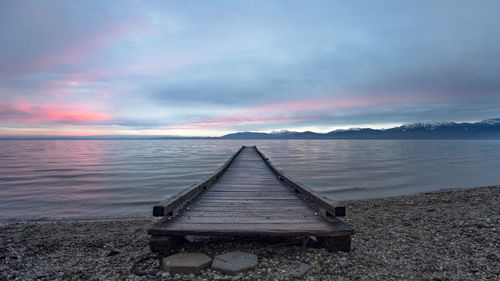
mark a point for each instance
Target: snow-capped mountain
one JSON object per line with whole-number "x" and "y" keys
{"x": 487, "y": 129}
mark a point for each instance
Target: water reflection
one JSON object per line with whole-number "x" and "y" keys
{"x": 90, "y": 179}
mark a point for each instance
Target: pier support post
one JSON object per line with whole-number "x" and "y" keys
{"x": 337, "y": 243}
{"x": 165, "y": 245}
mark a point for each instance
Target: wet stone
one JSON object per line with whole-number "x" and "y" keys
{"x": 186, "y": 263}
{"x": 234, "y": 262}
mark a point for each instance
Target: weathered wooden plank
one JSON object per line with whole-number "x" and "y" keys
{"x": 246, "y": 204}
{"x": 274, "y": 194}
{"x": 239, "y": 169}
{"x": 249, "y": 226}
{"x": 246, "y": 200}
{"x": 246, "y": 220}
{"x": 338, "y": 226}
{"x": 271, "y": 227}
{"x": 251, "y": 191}
{"x": 247, "y": 213}
{"x": 248, "y": 178}
{"x": 248, "y": 185}
{"x": 248, "y": 197}
{"x": 236, "y": 208}
{"x": 246, "y": 191}
{"x": 250, "y": 181}
{"x": 256, "y": 183}
{"x": 277, "y": 186}
{"x": 245, "y": 171}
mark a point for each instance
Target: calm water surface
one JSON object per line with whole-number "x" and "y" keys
{"x": 124, "y": 178}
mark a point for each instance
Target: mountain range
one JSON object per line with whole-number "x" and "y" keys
{"x": 486, "y": 129}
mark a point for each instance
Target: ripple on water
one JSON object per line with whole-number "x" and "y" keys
{"x": 116, "y": 178}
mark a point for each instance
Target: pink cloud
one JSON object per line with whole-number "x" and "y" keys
{"x": 222, "y": 122}
{"x": 29, "y": 113}
{"x": 75, "y": 115}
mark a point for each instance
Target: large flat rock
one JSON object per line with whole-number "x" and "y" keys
{"x": 186, "y": 263}
{"x": 234, "y": 262}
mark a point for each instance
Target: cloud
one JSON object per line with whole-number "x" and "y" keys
{"x": 40, "y": 37}
{"x": 28, "y": 113}
{"x": 290, "y": 112}
{"x": 237, "y": 65}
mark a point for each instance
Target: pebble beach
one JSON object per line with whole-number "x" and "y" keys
{"x": 445, "y": 235}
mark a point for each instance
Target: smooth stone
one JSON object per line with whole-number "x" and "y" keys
{"x": 186, "y": 263}
{"x": 234, "y": 262}
{"x": 300, "y": 271}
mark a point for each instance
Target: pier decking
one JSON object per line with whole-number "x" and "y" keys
{"x": 248, "y": 196}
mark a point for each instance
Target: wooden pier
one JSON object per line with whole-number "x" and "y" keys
{"x": 248, "y": 196}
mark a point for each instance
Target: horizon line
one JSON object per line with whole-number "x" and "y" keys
{"x": 139, "y": 136}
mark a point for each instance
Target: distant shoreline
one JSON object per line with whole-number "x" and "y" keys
{"x": 448, "y": 234}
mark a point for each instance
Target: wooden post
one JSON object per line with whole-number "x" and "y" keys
{"x": 165, "y": 245}
{"x": 337, "y": 243}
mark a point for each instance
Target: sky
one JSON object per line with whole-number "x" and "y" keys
{"x": 208, "y": 68}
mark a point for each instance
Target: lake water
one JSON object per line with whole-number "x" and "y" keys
{"x": 88, "y": 179}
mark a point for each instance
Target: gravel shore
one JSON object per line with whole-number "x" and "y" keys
{"x": 447, "y": 235}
